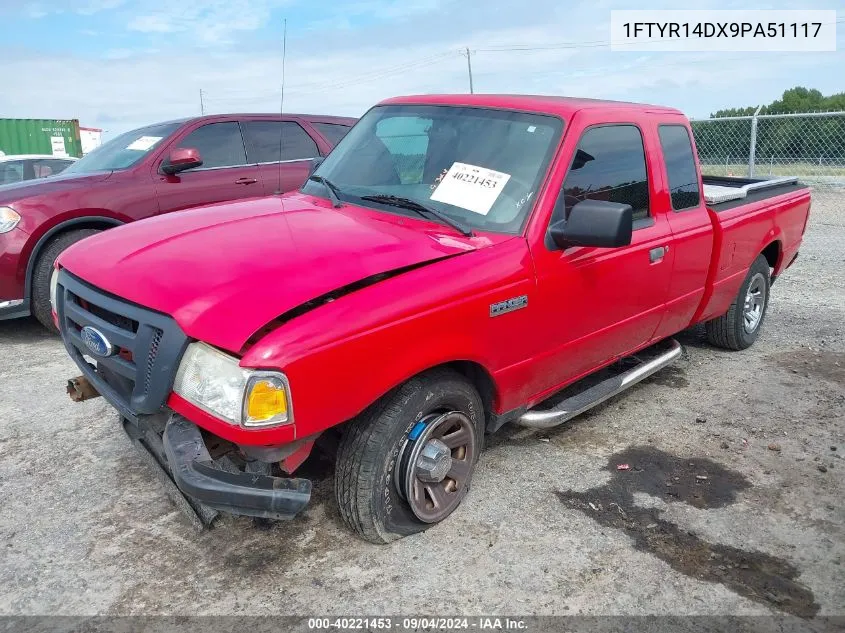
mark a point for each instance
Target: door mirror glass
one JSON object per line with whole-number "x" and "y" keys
{"x": 595, "y": 223}
{"x": 180, "y": 159}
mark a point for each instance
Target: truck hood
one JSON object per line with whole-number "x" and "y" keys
{"x": 225, "y": 271}
{"x": 53, "y": 184}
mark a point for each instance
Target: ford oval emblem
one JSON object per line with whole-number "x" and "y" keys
{"x": 96, "y": 341}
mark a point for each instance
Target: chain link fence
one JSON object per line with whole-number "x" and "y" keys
{"x": 810, "y": 146}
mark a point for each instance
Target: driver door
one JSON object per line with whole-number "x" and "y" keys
{"x": 599, "y": 304}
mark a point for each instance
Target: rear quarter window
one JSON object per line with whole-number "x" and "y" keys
{"x": 333, "y": 132}
{"x": 680, "y": 166}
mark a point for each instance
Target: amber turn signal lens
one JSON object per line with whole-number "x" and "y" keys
{"x": 266, "y": 402}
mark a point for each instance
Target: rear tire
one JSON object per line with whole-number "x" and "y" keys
{"x": 40, "y": 301}
{"x": 371, "y": 476}
{"x": 740, "y": 326}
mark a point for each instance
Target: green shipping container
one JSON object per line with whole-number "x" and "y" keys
{"x": 40, "y": 136}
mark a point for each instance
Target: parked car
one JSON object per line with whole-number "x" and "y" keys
{"x": 14, "y": 169}
{"x": 149, "y": 171}
{"x": 455, "y": 264}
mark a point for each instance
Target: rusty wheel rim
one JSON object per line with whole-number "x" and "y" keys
{"x": 436, "y": 464}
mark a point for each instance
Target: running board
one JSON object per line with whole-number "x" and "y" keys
{"x": 598, "y": 393}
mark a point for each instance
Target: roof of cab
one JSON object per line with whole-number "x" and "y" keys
{"x": 211, "y": 118}
{"x": 311, "y": 118}
{"x": 561, "y": 106}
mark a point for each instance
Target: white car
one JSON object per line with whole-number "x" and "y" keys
{"x": 30, "y": 166}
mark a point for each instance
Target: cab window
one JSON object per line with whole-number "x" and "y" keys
{"x": 11, "y": 172}
{"x": 609, "y": 164}
{"x": 219, "y": 145}
{"x": 272, "y": 141}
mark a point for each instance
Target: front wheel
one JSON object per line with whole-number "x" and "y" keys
{"x": 406, "y": 463}
{"x": 740, "y": 326}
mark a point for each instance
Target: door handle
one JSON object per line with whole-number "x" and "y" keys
{"x": 245, "y": 181}
{"x": 656, "y": 255}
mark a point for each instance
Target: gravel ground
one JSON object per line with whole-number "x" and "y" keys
{"x": 550, "y": 527}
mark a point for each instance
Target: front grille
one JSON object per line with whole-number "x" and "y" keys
{"x": 124, "y": 323}
{"x": 138, "y": 376}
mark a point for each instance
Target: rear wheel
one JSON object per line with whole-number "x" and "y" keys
{"x": 40, "y": 301}
{"x": 740, "y": 326}
{"x": 407, "y": 462}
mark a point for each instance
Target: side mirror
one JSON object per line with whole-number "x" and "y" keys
{"x": 315, "y": 162}
{"x": 180, "y": 159}
{"x": 595, "y": 223}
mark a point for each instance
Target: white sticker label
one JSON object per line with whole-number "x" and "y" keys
{"x": 144, "y": 143}
{"x": 58, "y": 145}
{"x": 470, "y": 187}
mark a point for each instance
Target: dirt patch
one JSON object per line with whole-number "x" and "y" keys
{"x": 671, "y": 376}
{"x": 701, "y": 483}
{"x": 816, "y": 363}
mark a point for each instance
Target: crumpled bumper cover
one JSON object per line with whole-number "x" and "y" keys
{"x": 207, "y": 488}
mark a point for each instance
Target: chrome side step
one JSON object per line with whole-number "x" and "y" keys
{"x": 587, "y": 399}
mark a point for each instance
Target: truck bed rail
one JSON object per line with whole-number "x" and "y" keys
{"x": 718, "y": 190}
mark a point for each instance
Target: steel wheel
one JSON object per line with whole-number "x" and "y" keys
{"x": 435, "y": 465}
{"x": 755, "y": 303}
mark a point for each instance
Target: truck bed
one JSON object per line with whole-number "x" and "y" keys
{"x": 763, "y": 191}
{"x": 769, "y": 220}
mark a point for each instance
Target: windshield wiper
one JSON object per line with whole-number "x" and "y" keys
{"x": 334, "y": 191}
{"x": 421, "y": 209}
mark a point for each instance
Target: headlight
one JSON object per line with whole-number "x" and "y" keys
{"x": 54, "y": 285}
{"x": 214, "y": 382}
{"x": 9, "y": 219}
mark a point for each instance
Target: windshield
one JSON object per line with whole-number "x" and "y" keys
{"x": 123, "y": 151}
{"x": 479, "y": 166}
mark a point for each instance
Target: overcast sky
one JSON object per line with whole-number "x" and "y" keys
{"x": 119, "y": 64}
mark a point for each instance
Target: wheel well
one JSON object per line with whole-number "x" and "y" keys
{"x": 100, "y": 223}
{"x": 772, "y": 254}
{"x": 480, "y": 379}
{"x": 91, "y": 223}
{"x": 475, "y": 373}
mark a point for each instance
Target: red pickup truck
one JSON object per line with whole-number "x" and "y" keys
{"x": 146, "y": 172}
{"x": 455, "y": 264}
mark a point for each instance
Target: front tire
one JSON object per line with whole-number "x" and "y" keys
{"x": 740, "y": 326}
{"x": 407, "y": 461}
{"x": 40, "y": 302}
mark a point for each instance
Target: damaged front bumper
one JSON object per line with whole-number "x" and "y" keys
{"x": 203, "y": 487}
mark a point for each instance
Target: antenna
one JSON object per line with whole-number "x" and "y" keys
{"x": 469, "y": 69}
{"x": 282, "y": 101}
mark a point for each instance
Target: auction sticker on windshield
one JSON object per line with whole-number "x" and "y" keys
{"x": 144, "y": 143}
{"x": 471, "y": 187}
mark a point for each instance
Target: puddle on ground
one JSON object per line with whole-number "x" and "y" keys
{"x": 816, "y": 363}
{"x": 754, "y": 575}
